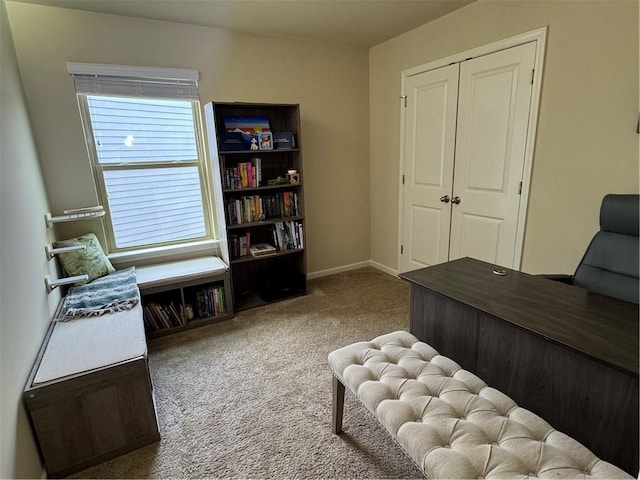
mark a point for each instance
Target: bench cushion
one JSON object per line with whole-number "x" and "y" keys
{"x": 159, "y": 275}
{"x": 450, "y": 422}
{"x": 83, "y": 345}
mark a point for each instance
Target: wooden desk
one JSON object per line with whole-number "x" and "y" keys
{"x": 566, "y": 354}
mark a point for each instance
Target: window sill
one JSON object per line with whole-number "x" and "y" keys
{"x": 169, "y": 252}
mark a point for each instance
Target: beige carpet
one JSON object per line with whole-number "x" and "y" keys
{"x": 251, "y": 397}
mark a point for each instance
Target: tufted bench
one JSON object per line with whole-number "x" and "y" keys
{"x": 449, "y": 421}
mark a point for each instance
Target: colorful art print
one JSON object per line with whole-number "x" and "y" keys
{"x": 246, "y": 124}
{"x": 265, "y": 141}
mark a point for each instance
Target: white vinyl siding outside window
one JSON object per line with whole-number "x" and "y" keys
{"x": 149, "y": 164}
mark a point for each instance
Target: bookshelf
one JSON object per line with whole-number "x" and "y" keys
{"x": 259, "y": 197}
{"x": 185, "y": 294}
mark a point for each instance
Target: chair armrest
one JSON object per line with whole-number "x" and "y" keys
{"x": 558, "y": 277}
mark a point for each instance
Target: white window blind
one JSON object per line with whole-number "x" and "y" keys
{"x": 142, "y": 129}
{"x": 136, "y": 87}
{"x": 131, "y": 81}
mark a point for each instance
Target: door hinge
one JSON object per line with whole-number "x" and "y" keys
{"x": 401, "y": 249}
{"x": 533, "y": 71}
{"x": 520, "y": 189}
{"x": 403, "y": 178}
{"x": 404, "y": 97}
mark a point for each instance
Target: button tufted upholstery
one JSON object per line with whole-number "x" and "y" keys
{"x": 450, "y": 422}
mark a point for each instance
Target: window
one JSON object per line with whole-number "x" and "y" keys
{"x": 144, "y": 139}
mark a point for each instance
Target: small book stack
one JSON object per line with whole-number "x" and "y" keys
{"x": 261, "y": 249}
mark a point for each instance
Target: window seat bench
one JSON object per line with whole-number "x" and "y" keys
{"x": 89, "y": 394}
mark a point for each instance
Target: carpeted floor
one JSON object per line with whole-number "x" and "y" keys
{"x": 251, "y": 397}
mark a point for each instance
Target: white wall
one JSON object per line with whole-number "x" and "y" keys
{"x": 587, "y": 143}
{"x": 329, "y": 81}
{"x": 25, "y": 307}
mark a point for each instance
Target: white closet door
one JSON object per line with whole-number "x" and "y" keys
{"x": 429, "y": 143}
{"x": 493, "y": 114}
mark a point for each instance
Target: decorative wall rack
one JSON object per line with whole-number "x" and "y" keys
{"x": 52, "y": 252}
{"x": 51, "y": 284}
{"x": 74, "y": 215}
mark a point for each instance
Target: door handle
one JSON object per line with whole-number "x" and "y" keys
{"x": 455, "y": 200}
{"x": 445, "y": 199}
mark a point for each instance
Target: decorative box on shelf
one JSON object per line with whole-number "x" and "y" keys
{"x": 283, "y": 140}
{"x": 234, "y": 141}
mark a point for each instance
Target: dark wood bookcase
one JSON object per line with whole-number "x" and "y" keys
{"x": 264, "y": 208}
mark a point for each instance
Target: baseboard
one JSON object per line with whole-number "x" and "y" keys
{"x": 383, "y": 268}
{"x": 344, "y": 268}
{"x": 353, "y": 266}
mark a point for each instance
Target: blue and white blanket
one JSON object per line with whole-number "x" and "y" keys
{"x": 114, "y": 292}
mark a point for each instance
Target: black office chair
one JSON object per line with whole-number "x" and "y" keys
{"x": 610, "y": 264}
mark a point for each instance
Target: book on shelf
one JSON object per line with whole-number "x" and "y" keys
{"x": 254, "y": 208}
{"x": 244, "y": 175}
{"x": 239, "y": 245}
{"x": 210, "y": 301}
{"x": 244, "y": 181}
{"x": 157, "y": 316}
{"x": 261, "y": 249}
{"x": 257, "y": 164}
{"x": 287, "y": 235}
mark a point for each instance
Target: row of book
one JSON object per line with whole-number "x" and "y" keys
{"x": 287, "y": 235}
{"x": 256, "y": 208}
{"x": 159, "y": 315}
{"x": 209, "y": 301}
{"x": 239, "y": 245}
{"x": 244, "y": 175}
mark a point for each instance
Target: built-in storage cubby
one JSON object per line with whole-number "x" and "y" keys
{"x": 259, "y": 198}
{"x": 184, "y": 294}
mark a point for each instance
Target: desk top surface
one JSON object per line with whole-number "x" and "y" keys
{"x": 599, "y": 326}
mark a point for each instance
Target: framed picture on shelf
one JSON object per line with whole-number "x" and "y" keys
{"x": 265, "y": 140}
{"x": 246, "y": 124}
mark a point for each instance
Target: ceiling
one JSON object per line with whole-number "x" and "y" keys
{"x": 361, "y": 23}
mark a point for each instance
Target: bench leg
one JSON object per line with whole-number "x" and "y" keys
{"x": 338, "y": 405}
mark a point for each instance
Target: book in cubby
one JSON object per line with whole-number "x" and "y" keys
{"x": 206, "y": 301}
{"x": 163, "y": 310}
{"x": 259, "y": 199}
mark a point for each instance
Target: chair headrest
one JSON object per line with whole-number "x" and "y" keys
{"x": 619, "y": 214}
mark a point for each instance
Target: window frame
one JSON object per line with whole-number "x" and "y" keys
{"x": 201, "y": 163}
